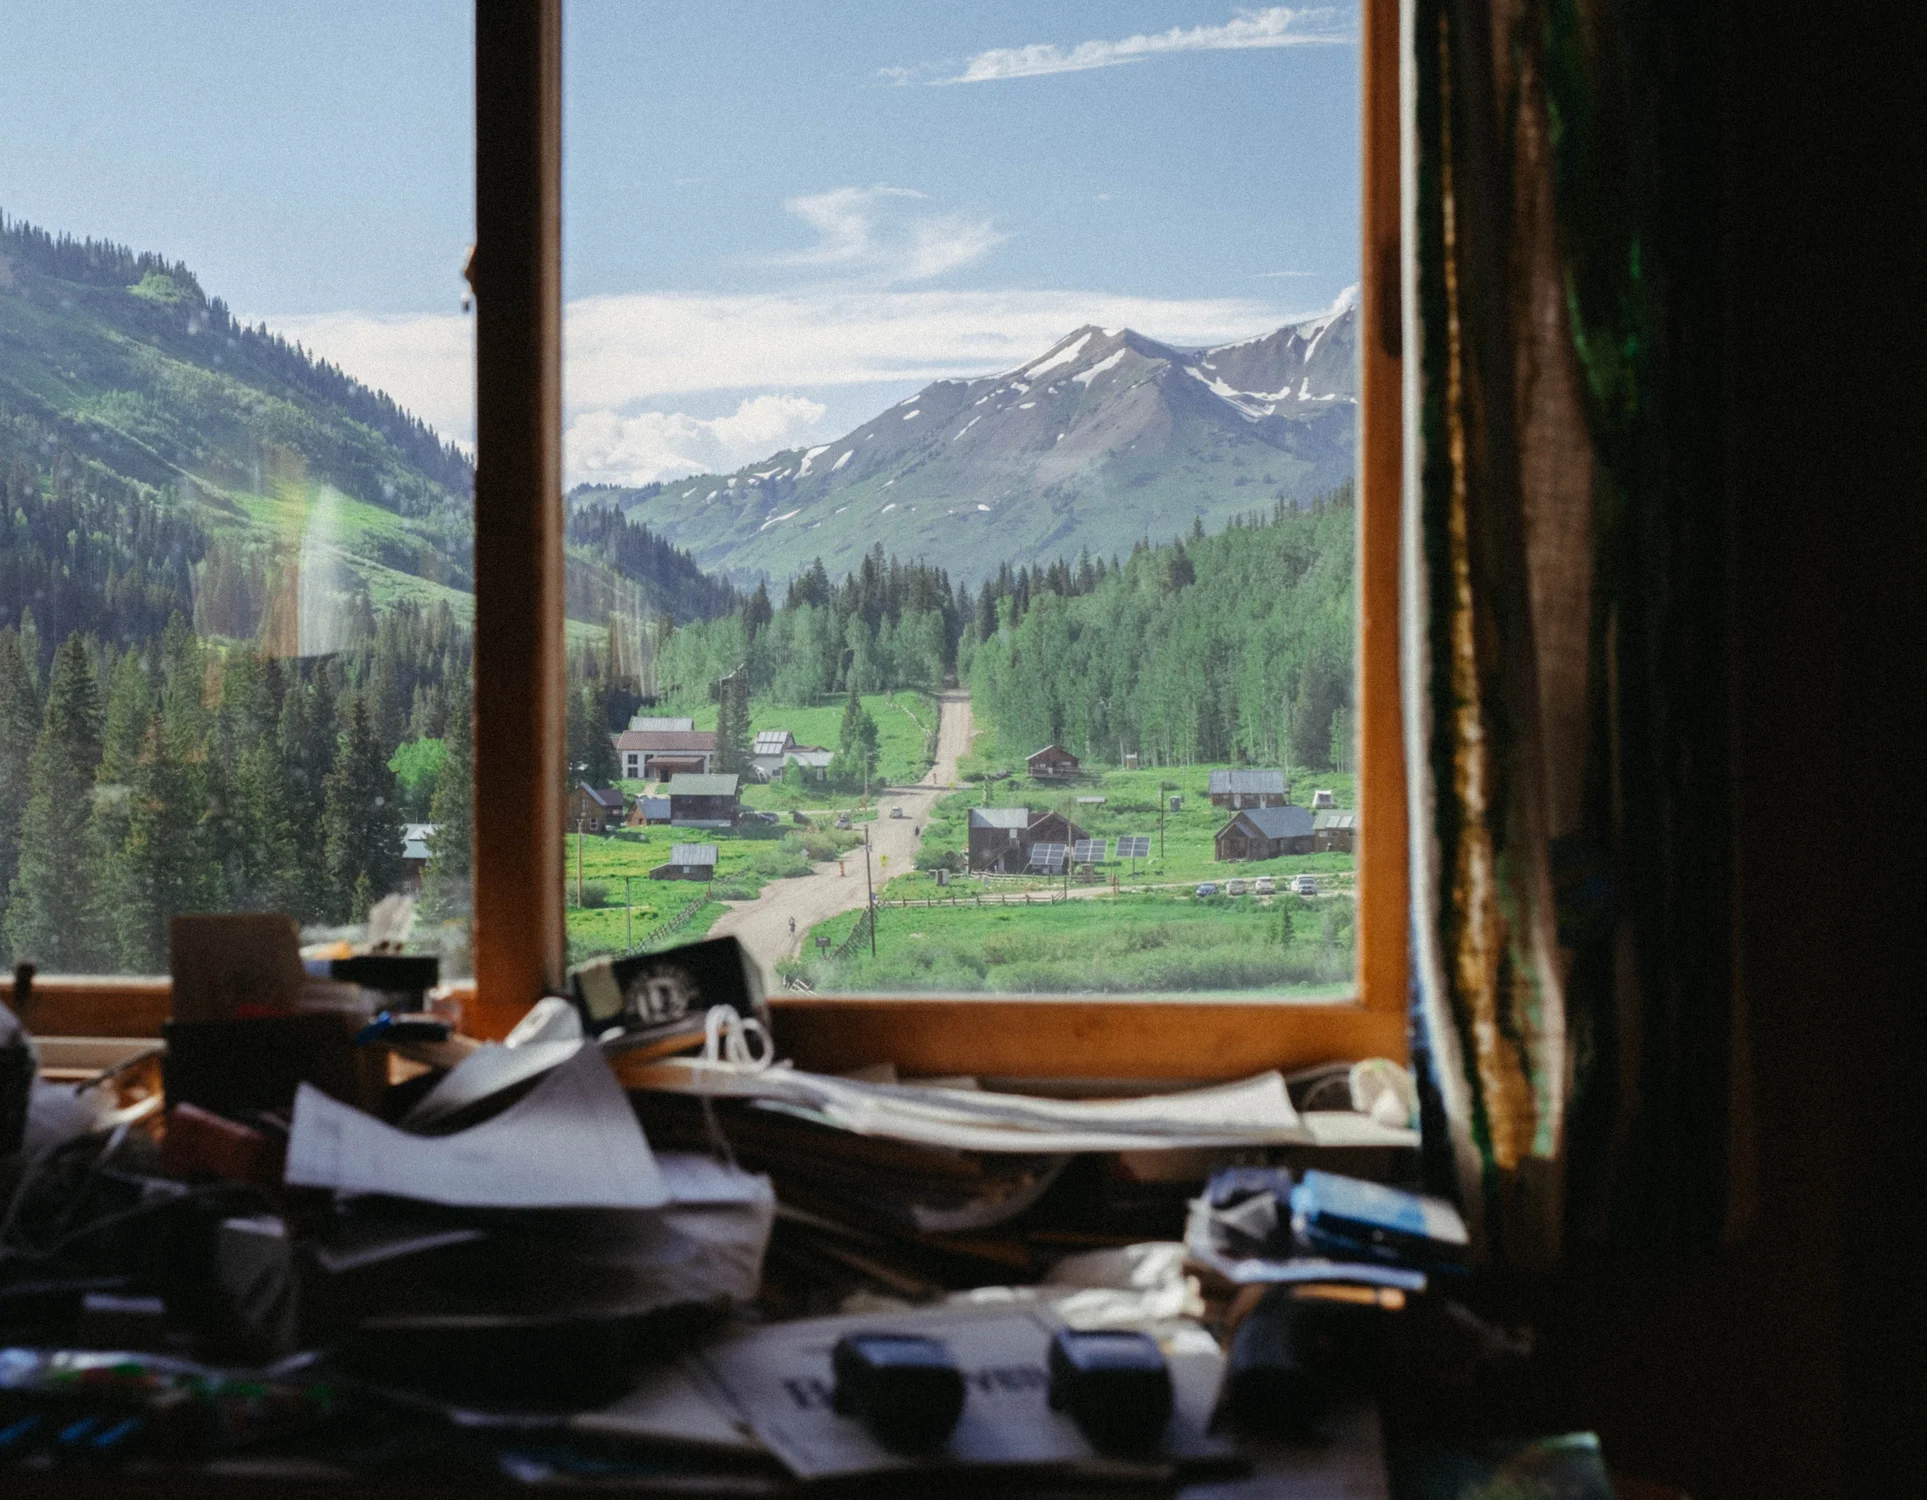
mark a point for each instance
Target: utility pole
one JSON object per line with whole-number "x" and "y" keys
{"x": 1163, "y": 787}
{"x": 869, "y": 891}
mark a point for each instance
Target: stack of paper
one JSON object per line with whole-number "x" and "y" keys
{"x": 555, "y": 1207}
{"x": 1254, "y": 1112}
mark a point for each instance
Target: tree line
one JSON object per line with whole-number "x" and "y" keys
{"x": 1209, "y": 648}
{"x": 1233, "y": 647}
{"x": 169, "y": 775}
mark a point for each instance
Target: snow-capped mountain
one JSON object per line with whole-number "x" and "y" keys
{"x": 1104, "y": 438}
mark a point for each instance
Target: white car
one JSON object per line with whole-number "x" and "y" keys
{"x": 896, "y": 812}
{"x": 1235, "y": 888}
{"x": 1264, "y": 885}
{"x": 1304, "y": 885}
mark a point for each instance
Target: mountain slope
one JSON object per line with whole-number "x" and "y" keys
{"x": 146, "y": 435}
{"x": 1105, "y": 438}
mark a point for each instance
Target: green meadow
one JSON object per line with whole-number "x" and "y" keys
{"x": 1133, "y": 944}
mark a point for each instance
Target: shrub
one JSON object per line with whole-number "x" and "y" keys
{"x": 594, "y": 894}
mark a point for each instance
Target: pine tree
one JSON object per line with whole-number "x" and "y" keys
{"x": 164, "y": 866}
{"x": 445, "y": 883}
{"x": 19, "y": 728}
{"x": 47, "y": 917}
{"x": 591, "y": 752}
{"x": 856, "y": 745}
{"x": 734, "y": 741}
{"x": 360, "y": 820}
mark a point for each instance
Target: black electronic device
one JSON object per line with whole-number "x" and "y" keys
{"x": 1295, "y": 1352}
{"x": 1114, "y": 1384}
{"x": 905, "y": 1388}
{"x": 639, "y": 998}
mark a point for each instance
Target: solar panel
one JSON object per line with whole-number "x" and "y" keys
{"x": 1134, "y": 846}
{"x": 1047, "y": 856}
{"x": 1088, "y": 851}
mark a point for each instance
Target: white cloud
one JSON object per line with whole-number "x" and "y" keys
{"x": 425, "y": 361}
{"x": 606, "y": 447}
{"x": 867, "y": 230}
{"x": 622, "y": 353}
{"x": 1274, "y": 26}
{"x": 643, "y": 347}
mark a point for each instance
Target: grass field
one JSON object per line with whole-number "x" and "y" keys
{"x": 1131, "y": 807}
{"x": 598, "y": 925}
{"x": 1146, "y": 944}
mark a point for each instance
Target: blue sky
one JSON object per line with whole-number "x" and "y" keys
{"x": 778, "y": 217}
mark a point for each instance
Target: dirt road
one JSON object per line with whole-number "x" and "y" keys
{"x": 772, "y": 925}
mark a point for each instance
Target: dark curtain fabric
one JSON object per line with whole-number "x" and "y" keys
{"x": 1565, "y": 578}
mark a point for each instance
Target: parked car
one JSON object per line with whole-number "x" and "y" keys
{"x": 896, "y": 812}
{"x": 1305, "y": 885}
{"x": 843, "y": 820}
{"x": 1235, "y": 888}
{"x": 1264, "y": 885}
{"x": 1208, "y": 888}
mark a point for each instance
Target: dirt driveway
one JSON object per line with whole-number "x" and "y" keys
{"x": 764, "y": 926}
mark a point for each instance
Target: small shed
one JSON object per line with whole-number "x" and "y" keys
{"x": 1322, "y": 798}
{"x": 1335, "y": 830}
{"x": 1052, "y": 762}
{"x": 647, "y": 810}
{"x": 1257, "y": 788}
{"x": 416, "y": 841}
{"x": 688, "y": 862}
{"x": 1266, "y": 833}
{"x": 594, "y": 809}
{"x": 704, "y": 801}
{"x": 996, "y": 838}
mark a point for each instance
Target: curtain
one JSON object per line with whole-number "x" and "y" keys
{"x": 1564, "y": 627}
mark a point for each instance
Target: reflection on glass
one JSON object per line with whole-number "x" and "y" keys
{"x": 960, "y": 426}
{"x": 235, "y": 568}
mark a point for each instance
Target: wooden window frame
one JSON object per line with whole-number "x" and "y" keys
{"x": 519, "y": 926}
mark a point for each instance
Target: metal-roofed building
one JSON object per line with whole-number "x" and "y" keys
{"x": 1335, "y": 830}
{"x": 657, "y": 754}
{"x": 701, "y": 801}
{"x": 1257, "y": 788}
{"x": 1265, "y": 833}
{"x": 996, "y": 837}
{"x": 687, "y": 862}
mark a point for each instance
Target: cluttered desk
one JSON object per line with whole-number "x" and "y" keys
{"x": 318, "y": 1236}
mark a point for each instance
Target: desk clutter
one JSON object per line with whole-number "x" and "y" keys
{"x": 320, "y": 1229}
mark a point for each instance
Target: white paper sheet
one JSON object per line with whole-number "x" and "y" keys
{"x": 1254, "y": 1112}
{"x": 572, "y": 1142}
{"x": 487, "y": 1070}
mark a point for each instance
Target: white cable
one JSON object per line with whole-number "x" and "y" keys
{"x": 736, "y": 1041}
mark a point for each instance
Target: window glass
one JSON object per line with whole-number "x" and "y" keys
{"x": 236, "y": 413}
{"x": 959, "y": 433}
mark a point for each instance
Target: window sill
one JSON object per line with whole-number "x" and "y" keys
{"x": 1000, "y": 1037}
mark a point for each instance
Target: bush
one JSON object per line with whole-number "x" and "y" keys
{"x": 594, "y": 894}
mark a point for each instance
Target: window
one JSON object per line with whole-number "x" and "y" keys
{"x": 523, "y": 701}
{"x": 996, "y": 374}
{"x": 236, "y": 418}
